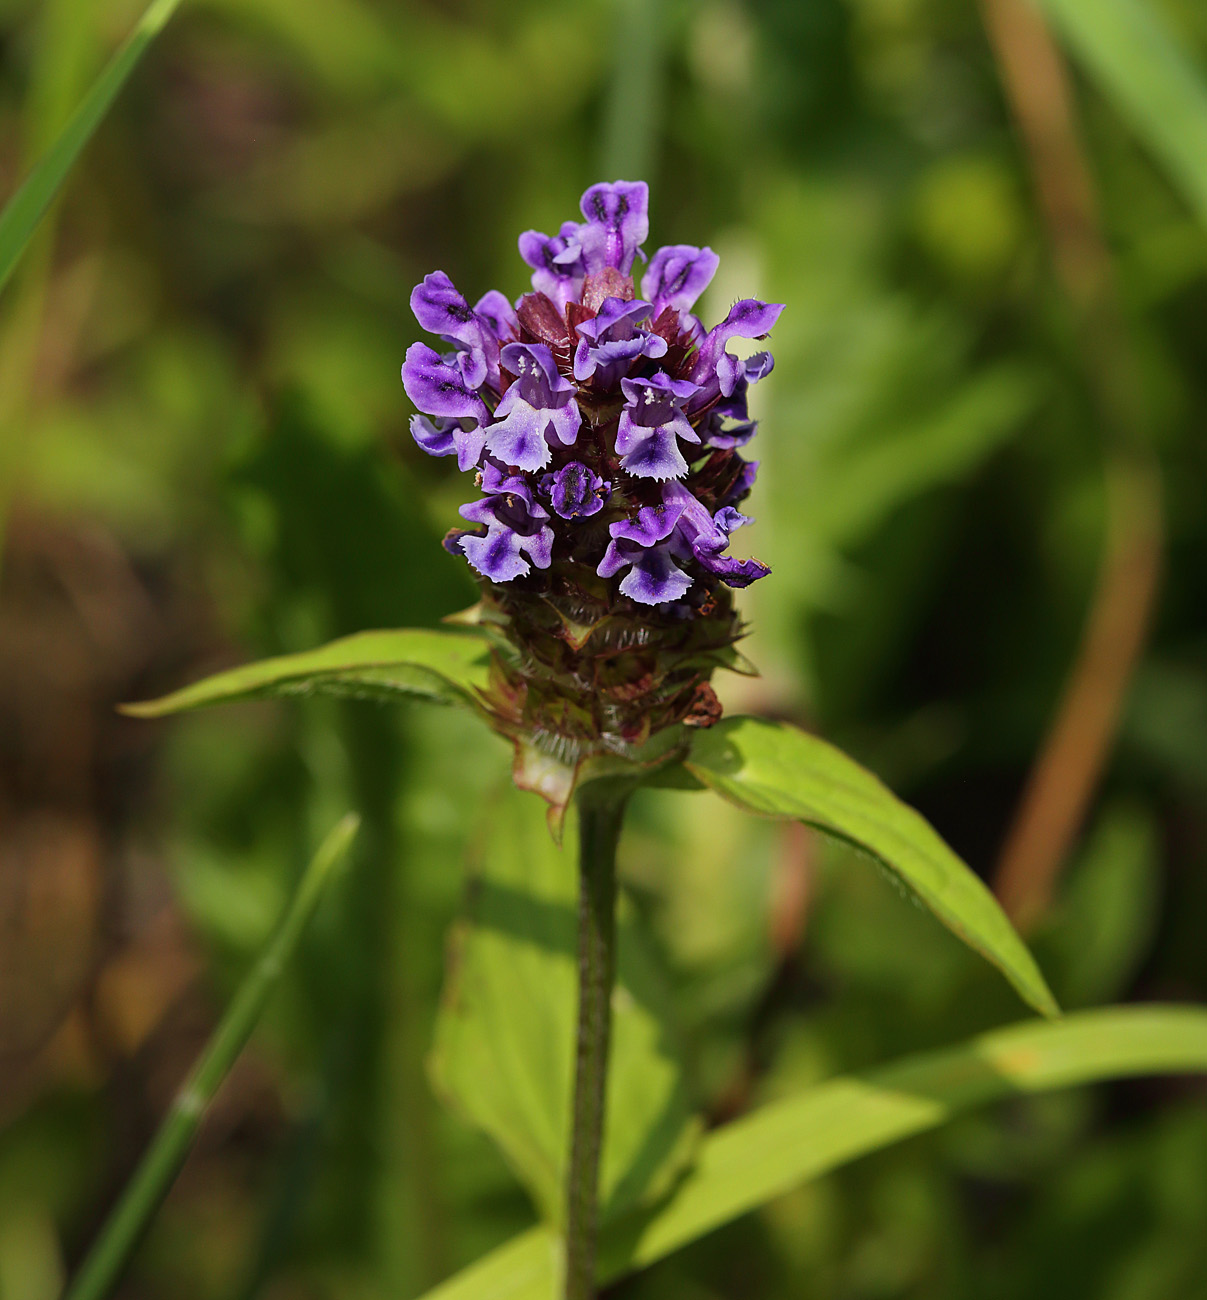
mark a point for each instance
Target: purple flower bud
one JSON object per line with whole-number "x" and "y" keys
{"x": 678, "y": 274}
{"x": 438, "y": 387}
{"x": 576, "y": 491}
{"x": 743, "y": 482}
{"x": 610, "y": 342}
{"x": 556, "y": 261}
{"x": 617, "y": 222}
{"x": 538, "y": 406}
{"x": 651, "y": 425}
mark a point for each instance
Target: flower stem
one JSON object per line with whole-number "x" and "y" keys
{"x": 601, "y": 810}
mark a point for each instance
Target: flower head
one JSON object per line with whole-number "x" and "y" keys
{"x": 605, "y": 428}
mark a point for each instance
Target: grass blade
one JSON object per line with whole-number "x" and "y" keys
{"x": 1135, "y": 60}
{"x": 788, "y": 1142}
{"x": 167, "y": 1152}
{"x": 25, "y": 209}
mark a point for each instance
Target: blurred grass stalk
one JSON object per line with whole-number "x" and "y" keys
{"x": 55, "y": 137}
{"x": 1074, "y": 752}
{"x": 634, "y": 103}
{"x": 162, "y": 1162}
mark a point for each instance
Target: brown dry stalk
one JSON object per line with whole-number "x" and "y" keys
{"x": 1066, "y": 772}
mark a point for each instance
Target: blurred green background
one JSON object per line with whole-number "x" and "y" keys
{"x": 206, "y": 458}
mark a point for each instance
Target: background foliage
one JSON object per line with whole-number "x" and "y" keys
{"x": 205, "y": 458}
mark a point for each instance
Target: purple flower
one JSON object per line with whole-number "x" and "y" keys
{"x": 678, "y": 274}
{"x": 557, "y": 262}
{"x": 728, "y": 424}
{"x": 497, "y": 314}
{"x": 567, "y": 373}
{"x": 575, "y": 491}
{"x": 446, "y": 437}
{"x": 474, "y": 331}
{"x": 610, "y": 342}
{"x": 438, "y": 387}
{"x": 680, "y": 529}
{"x": 714, "y": 370}
{"x": 516, "y": 526}
{"x": 653, "y": 576}
{"x": 617, "y": 222}
{"x": 706, "y": 535}
{"x": 539, "y": 404}
{"x": 651, "y": 424}
{"x": 743, "y": 482}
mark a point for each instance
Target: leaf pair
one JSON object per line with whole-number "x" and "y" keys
{"x": 768, "y": 768}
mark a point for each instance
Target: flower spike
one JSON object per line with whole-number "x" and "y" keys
{"x": 605, "y": 425}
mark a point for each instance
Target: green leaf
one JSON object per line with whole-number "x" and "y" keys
{"x": 788, "y": 1142}
{"x": 25, "y": 209}
{"x": 1135, "y": 59}
{"x": 445, "y": 667}
{"x": 504, "y": 1050}
{"x": 779, "y": 771}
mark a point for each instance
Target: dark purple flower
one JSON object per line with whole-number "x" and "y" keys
{"x": 516, "y": 527}
{"x": 438, "y": 387}
{"x": 575, "y": 491}
{"x": 651, "y": 424}
{"x": 611, "y": 341}
{"x": 446, "y": 437}
{"x": 678, "y": 274}
{"x": 557, "y": 262}
{"x": 617, "y": 222}
{"x": 539, "y": 404}
{"x": 743, "y": 481}
{"x": 728, "y": 424}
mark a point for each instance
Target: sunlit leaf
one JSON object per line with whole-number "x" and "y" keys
{"x": 24, "y": 210}
{"x": 444, "y": 667}
{"x": 788, "y": 1142}
{"x": 504, "y": 1051}
{"x": 1127, "y": 48}
{"x": 780, "y": 771}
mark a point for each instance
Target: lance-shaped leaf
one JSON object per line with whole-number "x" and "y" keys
{"x": 444, "y": 667}
{"x": 780, "y": 771}
{"x": 26, "y": 208}
{"x": 504, "y": 1051}
{"x": 763, "y": 1155}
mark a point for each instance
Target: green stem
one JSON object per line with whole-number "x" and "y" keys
{"x": 601, "y": 811}
{"x": 160, "y": 1165}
